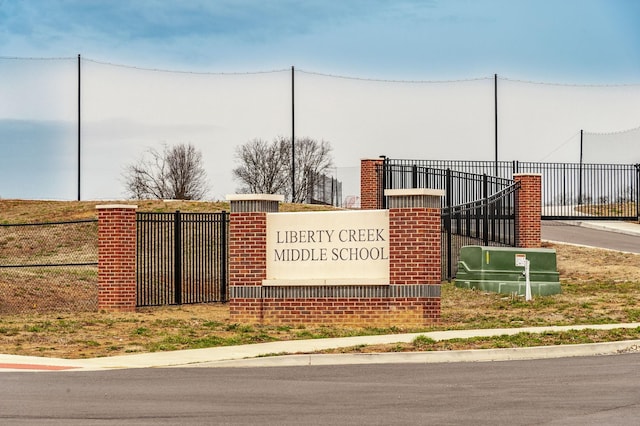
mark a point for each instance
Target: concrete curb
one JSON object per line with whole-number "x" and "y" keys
{"x": 474, "y": 355}
{"x": 625, "y": 228}
{"x": 262, "y": 352}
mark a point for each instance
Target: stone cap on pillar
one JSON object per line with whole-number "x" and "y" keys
{"x": 246, "y": 203}
{"x": 415, "y": 197}
{"x": 527, "y": 174}
{"x": 116, "y": 206}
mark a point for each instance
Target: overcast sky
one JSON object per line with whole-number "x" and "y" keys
{"x": 403, "y": 96}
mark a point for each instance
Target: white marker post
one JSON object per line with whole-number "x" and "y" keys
{"x": 527, "y": 295}
{"x": 521, "y": 260}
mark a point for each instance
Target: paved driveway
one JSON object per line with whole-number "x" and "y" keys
{"x": 567, "y": 232}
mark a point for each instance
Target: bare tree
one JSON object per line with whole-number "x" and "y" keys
{"x": 175, "y": 173}
{"x": 312, "y": 158}
{"x": 261, "y": 166}
{"x": 265, "y": 167}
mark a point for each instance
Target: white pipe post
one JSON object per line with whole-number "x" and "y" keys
{"x": 527, "y": 296}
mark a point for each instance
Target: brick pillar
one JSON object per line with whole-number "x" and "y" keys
{"x": 117, "y": 257}
{"x": 529, "y": 204}
{"x": 414, "y": 245}
{"x": 248, "y": 253}
{"x": 370, "y": 184}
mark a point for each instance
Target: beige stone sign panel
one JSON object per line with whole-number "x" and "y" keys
{"x": 328, "y": 248}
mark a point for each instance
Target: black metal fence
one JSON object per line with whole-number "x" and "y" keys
{"x": 489, "y": 221}
{"x": 460, "y": 186}
{"x": 49, "y": 267}
{"x": 588, "y": 191}
{"x": 325, "y": 190}
{"x": 569, "y": 190}
{"x": 181, "y": 258}
{"x": 477, "y": 209}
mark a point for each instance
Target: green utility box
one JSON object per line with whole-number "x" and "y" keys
{"x": 501, "y": 270}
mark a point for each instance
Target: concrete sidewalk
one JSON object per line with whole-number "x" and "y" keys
{"x": 266, "y": 354}
{"x": 617, "y": 226}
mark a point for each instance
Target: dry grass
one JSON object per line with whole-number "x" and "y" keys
{"x": 617, "y": 209}
{"x": 34, "y": 211}
{"x": 599, "y": 286}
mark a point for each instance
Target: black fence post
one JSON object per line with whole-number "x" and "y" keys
{"x": 580, "y": 176}
{"x": 414, "y": 176}
{"x": 386, "y": 180}
{"x": 485, "y": 211}
{"x": 223, "y": 256}
{"x": 449, "y": 210}
{"x": 177, "y": 258}
{"x": 637, "y": 191}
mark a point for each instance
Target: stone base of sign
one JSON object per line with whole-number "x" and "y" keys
{"x": 356, "y": 306}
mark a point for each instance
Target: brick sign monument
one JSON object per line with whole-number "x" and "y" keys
{"x": 369, "y": 267}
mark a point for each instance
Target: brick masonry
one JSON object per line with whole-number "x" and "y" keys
{"x": 414, "y": 246}
{"x": 117, "y": 258}
{"x": 412, "y": 297}
{"x": 529, "y": 201}
{"x": 370, "y": 184}
{"x": 247, "y": 262}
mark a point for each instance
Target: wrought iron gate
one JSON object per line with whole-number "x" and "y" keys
{"x": 477, "y": 209}
{"x": 181, "y": 258}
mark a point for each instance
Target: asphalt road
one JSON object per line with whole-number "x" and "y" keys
{"x": 565, "y": 232}
{"x": 569, "y": 391}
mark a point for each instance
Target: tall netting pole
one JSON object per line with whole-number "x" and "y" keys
{"x": 79, "y": 124}
{"x": 293, "y": 138}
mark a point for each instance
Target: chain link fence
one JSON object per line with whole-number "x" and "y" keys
{"x": 49, "y": 267}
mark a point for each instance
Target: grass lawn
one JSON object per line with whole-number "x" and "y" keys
{"x": 598, "y": 287}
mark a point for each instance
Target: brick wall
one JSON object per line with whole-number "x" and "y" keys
{"x": 247, "y": 262}
{"x": 370, "y": 184}
{"x": 117, "y": 257}
{"x": 412, "y": 297}
{"x": 414, "y": 258}
{"x": 528, "y": 220}
{"x": 352, "y": 312}
{"x": 414, "y": 252}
